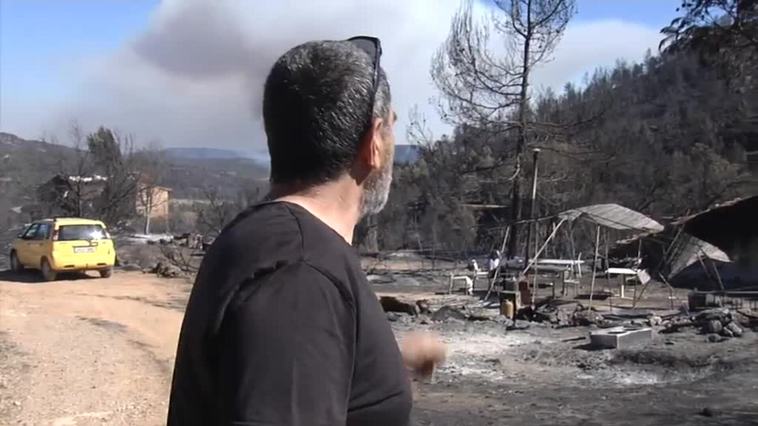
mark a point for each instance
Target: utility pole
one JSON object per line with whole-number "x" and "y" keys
{"x": 533, "y": 210}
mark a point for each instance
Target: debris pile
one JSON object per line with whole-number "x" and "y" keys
{"x": 446, "y": 313}
{"x": 165, "y": 270}
{"x": 399, "y": 310}
{"x": 394, "y": 305}
{"x": 713, "y": 322}
{"x": 718, "y": 324}
{"x": 565, "y": 314}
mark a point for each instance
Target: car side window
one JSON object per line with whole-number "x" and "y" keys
{"x": 43, "y": 232}
{"x": 31, "y": 232}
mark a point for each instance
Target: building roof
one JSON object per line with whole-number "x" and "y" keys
{"x": 87, "y": 179}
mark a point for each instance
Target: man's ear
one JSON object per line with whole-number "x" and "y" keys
{"x": 372, "y": 146}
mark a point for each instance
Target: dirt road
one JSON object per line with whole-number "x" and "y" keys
{"x": 88, "y": 351}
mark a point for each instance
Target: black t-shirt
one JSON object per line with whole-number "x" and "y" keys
{"x": 282, "y": 328}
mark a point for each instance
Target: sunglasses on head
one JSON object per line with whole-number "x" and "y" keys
{"x": 373, "y": 47}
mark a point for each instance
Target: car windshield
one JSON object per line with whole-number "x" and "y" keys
{"x": 81, "y": 232}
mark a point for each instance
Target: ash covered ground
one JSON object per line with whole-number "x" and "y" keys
{"x": 538, "y": 372}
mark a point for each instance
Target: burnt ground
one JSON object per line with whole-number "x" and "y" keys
{"x": 547, "y": 376}
{"x": 544, "y": 375}
{"x": 92, "y": 352}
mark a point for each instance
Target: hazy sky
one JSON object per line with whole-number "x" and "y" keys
{"x": 190, "y": 72}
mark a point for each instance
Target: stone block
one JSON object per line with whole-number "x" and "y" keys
{"x": 620, "y": 337}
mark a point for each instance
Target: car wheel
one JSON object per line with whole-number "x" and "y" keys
{"x": 106, "y": 273}
{"x": 47, "y": 272}
{"x": 16, "y": 265}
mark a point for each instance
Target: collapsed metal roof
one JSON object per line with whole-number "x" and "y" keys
{"x": 731, "y": 226}
{"x": 613, "y": 216}
{"x": 687, "y": 250}
{"x": 668, "y": 252}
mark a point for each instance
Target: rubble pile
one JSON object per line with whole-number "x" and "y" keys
{"x": 399, "y": 310}
{"x": 713, "y": 322}
{"x": 165, "y": 270}
{"x": 395, "y": 305}
{"x": 719, "y": 324}
{"x": 565, "y": 314}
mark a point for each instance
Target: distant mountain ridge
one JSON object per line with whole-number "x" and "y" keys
{"x": 24, "y": 164}
{"x": 203, "y": 153}
{"x": 404, "y": 154}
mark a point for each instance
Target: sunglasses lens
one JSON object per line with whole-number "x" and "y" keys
{"x": 372, "y": 46}
{"x": 368, "y": 45}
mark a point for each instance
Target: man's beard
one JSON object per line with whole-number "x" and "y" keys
{"x": 376, "y": 191}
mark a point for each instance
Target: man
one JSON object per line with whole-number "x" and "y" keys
{"x": 282, "y": 327}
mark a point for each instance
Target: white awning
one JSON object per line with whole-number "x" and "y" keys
{"x": 613, "y": 216}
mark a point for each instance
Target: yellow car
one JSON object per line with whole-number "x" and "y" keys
{"x": 64, "y": 245}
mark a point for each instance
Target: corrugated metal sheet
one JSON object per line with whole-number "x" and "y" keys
{"x": 687, "y": 250}
{"x": 613, "y": 216}
{"x": 731, "y": 226}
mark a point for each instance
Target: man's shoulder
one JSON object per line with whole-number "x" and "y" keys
{"x": 269, "y": 235}
{"x": 260, "y": 237}
{"x": 265, "y": 220}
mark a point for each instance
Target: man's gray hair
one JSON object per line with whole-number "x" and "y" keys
{"x": 315, "y": 110}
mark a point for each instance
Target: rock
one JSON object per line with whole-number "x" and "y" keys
{"x": 708, "y": 412}
{"x": 654, "y": 320}
{"x": 735, "y": 329}
{"x": 519, "y": 325}
{"x": 553, "y": 311}
{"x": 393, "y": 316}
{"x": 713, "y": 338}
{"x": 424, "y": 320}
{"x": 563, "y": 317}
{"x": 587, "y": 317}
{"x": 722, "y": 315}
{"x": 405, "y": 319}
{"x": 447, "y": 312}
{"x": 172, "y": 271}
{"x": 478, "y": 314}
{"x": 742, "y": 319}
{"x": 676, "y": 325}
{"x": 392, "y": 304}
{"x": 713, "y": 326}
{"x": 502, "y": 319}
{"x": 165, "y": 270}
{"x": 727, "y": 332}
{"x": 423, "y": 306}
